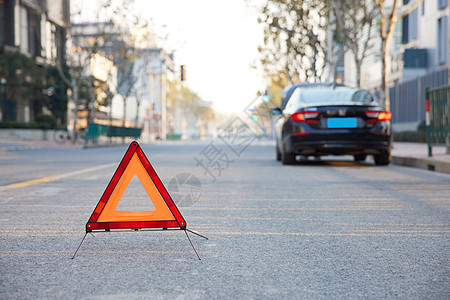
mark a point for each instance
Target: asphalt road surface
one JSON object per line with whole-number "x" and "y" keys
{"x": 316, "y": 230}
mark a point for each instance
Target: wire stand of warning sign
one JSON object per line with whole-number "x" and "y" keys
{"x": 165, "y": 216}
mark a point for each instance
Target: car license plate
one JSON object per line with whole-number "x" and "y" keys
{"x": 341, "y": 123}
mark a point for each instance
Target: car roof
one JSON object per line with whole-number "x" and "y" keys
{"x": 287, "y": 91}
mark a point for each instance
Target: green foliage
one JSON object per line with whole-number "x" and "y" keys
{"x": 422, "y": 127}
{"x": 49, "y": 123}
{"x": 44, "y": 121}
{"x": 56, "y": 92}
{"x": 192, "y": 107}
{"x": 16, "y": 124}
{"x": 410, "y": 136}
{"x": 418, "y": 136}
{"x": 277, "y": 83}
{"x": 294, "y": 38}
{"x": 24, "y": 77}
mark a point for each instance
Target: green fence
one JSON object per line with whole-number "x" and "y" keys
{"x": 97, "y": 130}
{"x": 437, "y": 117}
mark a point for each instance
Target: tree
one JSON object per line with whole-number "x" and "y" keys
{"x": 294, "y": 38}
{"x": 126, "y": 53}
{"x": 187, "y": 105}
{"x": 55, "y": 98}
{"x": 336, "y": 51}
{"x": 111, "y": 31}
{"x": 387, "y": 26}
{"x": 354, "y": 20}
{"x": 24, "y": 81}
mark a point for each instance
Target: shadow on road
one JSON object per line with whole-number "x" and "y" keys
{"x": 333, "y": 163}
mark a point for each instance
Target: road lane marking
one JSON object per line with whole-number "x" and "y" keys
{"x": 322, "y": 234}
{"x": 30, "y": 182}
{"x": 365, "y": 200}
{"x": 70, "y": 174}
{"x": 47, "y": 179}
{"x": 29, "y": 253}
{"x": 339, "y": 208}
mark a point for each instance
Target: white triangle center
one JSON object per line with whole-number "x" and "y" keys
{"x": 135, "y": 198}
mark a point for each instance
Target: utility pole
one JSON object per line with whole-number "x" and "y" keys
{"x": 150, "y": 105}
{"x": 163, "y": 104}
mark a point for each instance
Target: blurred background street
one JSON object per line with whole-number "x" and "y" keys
{"x": 309, "y": 140}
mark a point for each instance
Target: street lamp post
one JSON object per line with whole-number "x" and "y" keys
{"x": 150, "y": 108}
{"x": 163, "y": 103}
{"x": 162, "y": 97}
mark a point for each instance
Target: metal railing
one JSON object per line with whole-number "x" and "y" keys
{"x": 97, "y": 130}
{"x": 437, "y": 112}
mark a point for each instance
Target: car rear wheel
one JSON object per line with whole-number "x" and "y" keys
{"x": 382, "y": 159}
{"x": 287, "y": 158}
{"x": 360, "y": 157}
{"x": 278, "y": 153}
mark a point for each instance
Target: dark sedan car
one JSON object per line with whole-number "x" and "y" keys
{"x": 333, "y": 120}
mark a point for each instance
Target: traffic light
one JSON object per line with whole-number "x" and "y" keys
{"x": 183, "y": 72}
{"x": 266, "y": 96}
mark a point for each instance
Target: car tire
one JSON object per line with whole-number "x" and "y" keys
{"x": 382, "y": 159}
{"x": 287, "y": 158}
{"x": 278, "y": 153}
{"x": 360, "y": 157}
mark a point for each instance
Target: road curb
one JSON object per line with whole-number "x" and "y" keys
{"x": 422, "y": 163}
{"x": 18, "y": 148}
{"x": 94, "y": 146}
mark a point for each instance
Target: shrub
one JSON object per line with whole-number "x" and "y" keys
{"x": 44, "y": 121}
{"x": 15, "y": 124}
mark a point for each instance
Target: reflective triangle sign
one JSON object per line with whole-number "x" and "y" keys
{"x": 165, "y": 214}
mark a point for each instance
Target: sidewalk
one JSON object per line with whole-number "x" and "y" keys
{"x": 18, "y": 145}
{"x": 416, "y": 155}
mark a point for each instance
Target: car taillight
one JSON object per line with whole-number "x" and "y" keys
{"x": 378, "y": 116}
{"x": 305, "y": 117}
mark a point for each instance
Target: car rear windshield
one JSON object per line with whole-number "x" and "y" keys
{"x": 330, "y": 96}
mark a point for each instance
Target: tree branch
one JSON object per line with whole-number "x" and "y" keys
{"x": 409, "y": 8}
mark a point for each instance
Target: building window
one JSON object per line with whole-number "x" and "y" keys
{"x": 423, "y": 8}
{"x": 442, "y": 4}
{"x": 405, "y": 27}
{"x": 34, "y": 33}
{"x": 410, "y": 27}
{"x": 7, "y": 22}
{"x": 442, "y": 39}
{"x": 60, "y": 43}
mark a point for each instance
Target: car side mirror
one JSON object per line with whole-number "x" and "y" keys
{"x": 276, "y": 111}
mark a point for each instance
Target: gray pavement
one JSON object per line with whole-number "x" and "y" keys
{"x": 403, "y": 154}
{"x": 330, "y": 229}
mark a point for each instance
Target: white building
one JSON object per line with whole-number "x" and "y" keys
{"x": 140, "y": 82}
{"x": 146, "y": 105}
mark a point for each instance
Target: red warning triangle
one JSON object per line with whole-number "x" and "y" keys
{"x": 165, "y": 213}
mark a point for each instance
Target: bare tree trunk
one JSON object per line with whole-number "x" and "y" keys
{"x": 124, "y": 110}
{"x": 358, "y": 64}
{"x": 385, "y": 42}
{"x": 124, "y": 115}
{"x": 386, "y": 37}
{"x": 75, "y": 111}
{"x": 138, "y": 105}
{"x": 384, "y": 95}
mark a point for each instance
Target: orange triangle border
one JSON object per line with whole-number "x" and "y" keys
{"x": 94, "y": 224}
